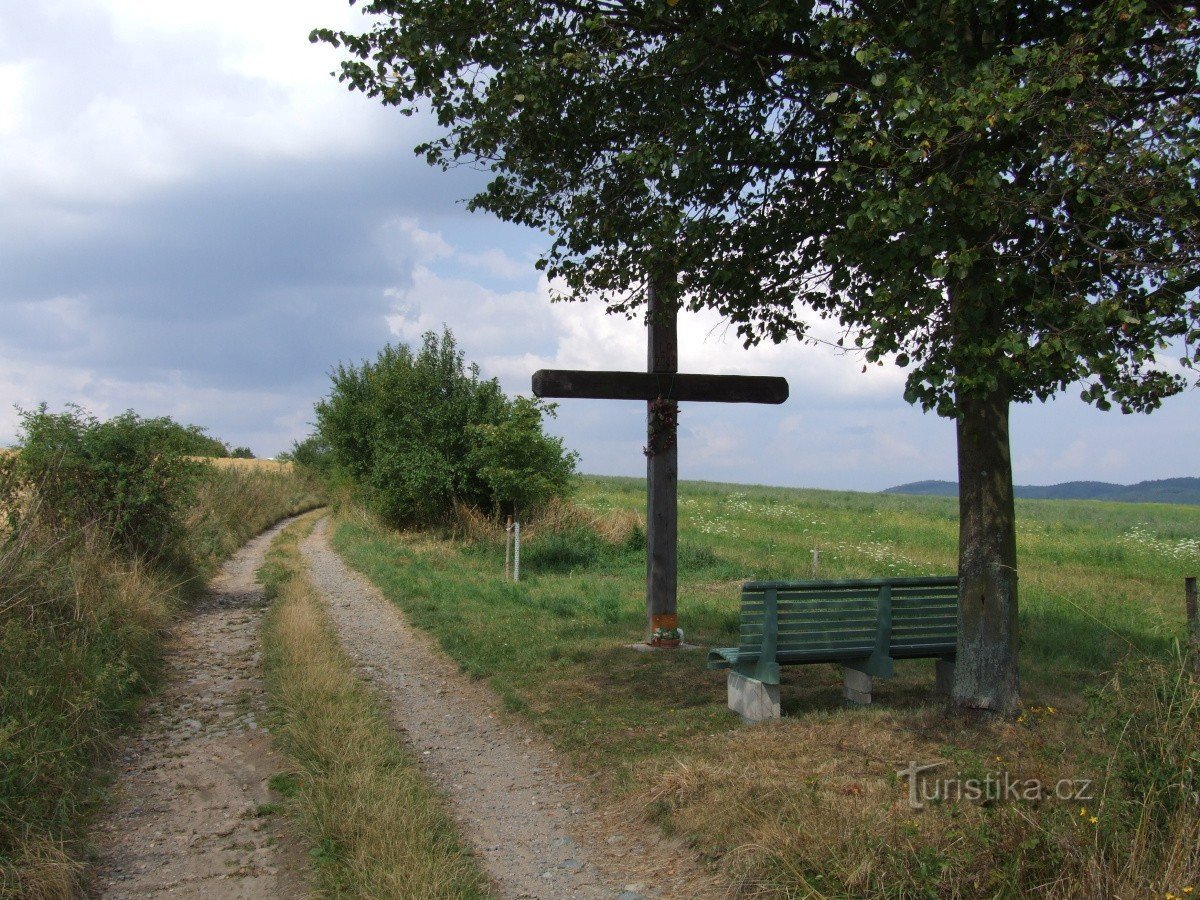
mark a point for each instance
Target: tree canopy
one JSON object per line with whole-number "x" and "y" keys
{"x": 853, "y": 158}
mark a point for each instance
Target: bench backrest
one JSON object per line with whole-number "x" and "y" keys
{"x": 819, "y": 621}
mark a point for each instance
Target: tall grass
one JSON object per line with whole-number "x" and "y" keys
{"x": 377, "y": 825}
{"x": 81, "y": 628}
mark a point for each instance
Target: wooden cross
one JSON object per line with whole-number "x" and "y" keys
{"x": 662, "y": 386}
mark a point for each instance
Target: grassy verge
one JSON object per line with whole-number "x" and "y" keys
{"x": 377, "y": 827}
{"x": 81, "y": 628}
{"x": 813, "y": 805}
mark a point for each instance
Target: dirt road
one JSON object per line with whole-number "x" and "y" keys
{"x": 191, "y": 817}
{"x": 530, "y": 822}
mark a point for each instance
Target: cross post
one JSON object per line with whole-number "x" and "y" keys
{"x": 662, "y": 386}
{"x": 662, "y": 463}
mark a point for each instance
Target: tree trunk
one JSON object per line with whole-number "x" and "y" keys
{"x": 985, "y": 676}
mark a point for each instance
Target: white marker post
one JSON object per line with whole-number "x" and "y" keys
{"x": 517, "y": 552}
{"x": 816, "y": 561}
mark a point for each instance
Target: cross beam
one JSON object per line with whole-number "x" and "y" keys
{"x": 662, "y": 386}
{"x": 652, "y": 385}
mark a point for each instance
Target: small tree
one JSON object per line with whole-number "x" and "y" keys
{"x": 421, "y": 431}
{"x": 521, "y": 465}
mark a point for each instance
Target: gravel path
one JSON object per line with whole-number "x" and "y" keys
{"x": 184, "y": 822}
{"x": 530, "y": 823}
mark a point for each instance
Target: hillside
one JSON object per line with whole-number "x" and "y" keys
{"x": 1166, "y": 490}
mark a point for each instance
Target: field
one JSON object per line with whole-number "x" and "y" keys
{"x": 253, "y": 465}
{"x": 812, "y": 805}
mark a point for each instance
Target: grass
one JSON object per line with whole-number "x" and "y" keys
{"x": 81, "y": 629}
{"x": 377, "y": 828}
{"x": 812, "y": 806}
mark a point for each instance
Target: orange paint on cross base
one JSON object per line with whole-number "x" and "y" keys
{"x": 667, "y": 623}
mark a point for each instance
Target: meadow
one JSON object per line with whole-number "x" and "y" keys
{"x": 812, "y": 805}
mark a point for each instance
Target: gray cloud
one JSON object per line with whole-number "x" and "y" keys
{"x": 196, "y": 221}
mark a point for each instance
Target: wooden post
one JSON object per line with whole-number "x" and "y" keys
{"x": 507, "y": 547}
{"x": 662, "y": 461}
{"x": 1193, "y": 622}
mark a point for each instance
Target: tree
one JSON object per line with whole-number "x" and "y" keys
{"x": 312, "y": 453}
{"x": 420, "y": 431}
{"x": 521, "y": 465}
{"x": 1002, "y": 197}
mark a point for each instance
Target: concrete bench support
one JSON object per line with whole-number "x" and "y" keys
{"x": 857, "y": 686}
{"x": 753, "y": 700}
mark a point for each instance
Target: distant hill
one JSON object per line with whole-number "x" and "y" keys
{"x": 1166, "y": 490}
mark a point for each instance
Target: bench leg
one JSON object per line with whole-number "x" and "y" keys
{"x": 943, "y": 683}
{"x": 753, "y": 700}
{"x": 857, "y": 686}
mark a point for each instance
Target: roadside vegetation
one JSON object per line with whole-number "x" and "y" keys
{"x": 106, "y": 531}
{"x": 376, "y": 826}
{"x": 812, "y": 806}
{"x": 417, "y": 434}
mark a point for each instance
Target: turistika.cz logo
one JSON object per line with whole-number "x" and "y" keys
{"x": 994, "y": 787}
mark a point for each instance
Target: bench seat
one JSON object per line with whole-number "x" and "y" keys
{"x": 864, "y": 625}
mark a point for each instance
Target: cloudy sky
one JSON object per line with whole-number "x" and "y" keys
{"x": 196, "y": 220}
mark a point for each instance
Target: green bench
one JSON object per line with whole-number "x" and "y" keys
{"x": 863, "y": 625}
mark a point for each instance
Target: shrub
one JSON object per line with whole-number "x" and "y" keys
{"x": 128, "y": 474}
{"x": 521, "y": 465}
{"x": 419, "y": 432}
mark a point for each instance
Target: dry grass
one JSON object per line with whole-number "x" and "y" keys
{"x": 613, "y": 526}
{"x": 43, "y": 869}
{"x": 823, "y": 813}
{"x": 81, "y": 629}
{"x": 377, "y": 826}
{"x": 472, "y": 525}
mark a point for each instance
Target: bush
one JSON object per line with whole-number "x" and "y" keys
{"x": 521, "y": 465}
{"x": 421, "y": 432}
{"x": 81, "y": 628}
{"x": 129, "y": 475}
{"x": 312, "y": 453}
